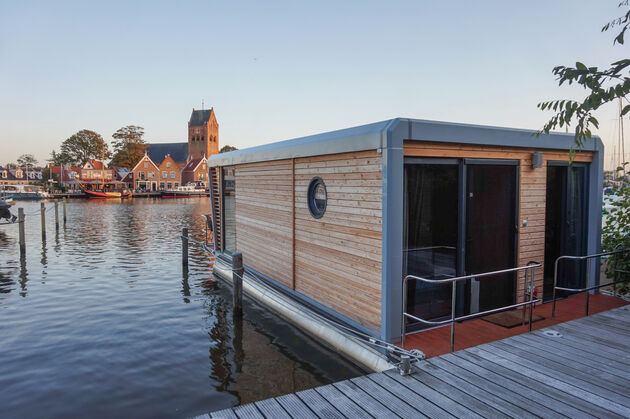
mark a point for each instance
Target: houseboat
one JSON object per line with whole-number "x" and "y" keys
{"x": 333, "y": 222}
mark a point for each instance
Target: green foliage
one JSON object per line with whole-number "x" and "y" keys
{"x": 27, "y": 161}
{"x": 128, "y": 146}
{"x": 79, "y": 148}
{"x": 616, "y": 229}
{"x": 603, "y": 86}
{"x": 227, "y": 148}
{"x": 47, "y": 175}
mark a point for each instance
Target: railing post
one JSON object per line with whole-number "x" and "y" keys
{"x": 453, "y": 304}
{"x": 185, "y": 247}
{"x": 588, "y": 282}
{"x": 43, "y": 217}
{"x": 237, "y": 283}
{"x": 403, "y": 327}
{"x": 21, "y": 231}
{"x": 555, "y": 283}
{"x": 532, "y": 275}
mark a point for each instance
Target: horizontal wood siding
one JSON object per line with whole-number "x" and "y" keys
{"x": 532, "y": 191}
{"x": 264, "y": 218}
{"x": 338, "y": 256}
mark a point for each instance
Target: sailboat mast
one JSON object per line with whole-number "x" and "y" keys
{"x": 103, "y": 171}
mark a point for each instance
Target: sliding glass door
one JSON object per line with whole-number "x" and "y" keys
{"x": 491, "y": 232}
{"x": 460, "y": 218}
{"x": 431, "y": 212}
{"x": 565, "y": 224}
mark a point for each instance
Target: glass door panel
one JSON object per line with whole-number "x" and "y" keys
{"x": 565, "y": 215}
{"x": 431, "y": 220}
{"x": 491, "y": 233}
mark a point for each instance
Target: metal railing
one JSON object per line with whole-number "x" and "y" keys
{"x": 588, "y": 259}
{"x": 528, "y": 284}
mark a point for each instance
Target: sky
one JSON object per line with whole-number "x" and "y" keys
{"x": 279, "y": 70}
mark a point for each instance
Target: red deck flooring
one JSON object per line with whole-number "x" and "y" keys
{"x": 476, "y": 332}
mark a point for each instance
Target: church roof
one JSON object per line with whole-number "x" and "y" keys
{"x": 178, "y": 151}
{"x": 200, "y": 117}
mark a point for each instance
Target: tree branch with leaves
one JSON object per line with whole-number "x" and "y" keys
{"x": 603, "y": 86}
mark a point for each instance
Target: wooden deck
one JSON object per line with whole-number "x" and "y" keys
{"x": 437, "y": 341}
{"x": 583, "y": 372}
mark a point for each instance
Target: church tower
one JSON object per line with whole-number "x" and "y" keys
{"x": 203, "y": 134}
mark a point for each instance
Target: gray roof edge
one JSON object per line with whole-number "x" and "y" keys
{"x": 359, "y": 138}
{"x": 379, "y": 135}
{"x": 449, "y": 132}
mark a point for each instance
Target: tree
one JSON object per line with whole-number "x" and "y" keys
{"x": 47, "y": 175}
{"x": 59, "y": 159}
{"x": 615, "y": 233}
{"x": 81, "y": 147}
{"x": 603, "y": 86}
{"x": 227, "y": 148}
{"x": 27, "y": 160}
{"x": 128, "y": 146}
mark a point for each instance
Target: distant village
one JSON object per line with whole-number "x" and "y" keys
{"x": 135, "y": 165}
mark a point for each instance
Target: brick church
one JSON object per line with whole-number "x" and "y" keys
{"x": 170, "y": 165}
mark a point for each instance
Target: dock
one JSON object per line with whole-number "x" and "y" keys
{"x": 580, "y": 368}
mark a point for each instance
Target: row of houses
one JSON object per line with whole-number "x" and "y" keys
{"x": 147, "y": 175}
{"x": 20, "y": 176}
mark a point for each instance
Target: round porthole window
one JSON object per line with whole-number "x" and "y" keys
{"x": 317, "y": 197}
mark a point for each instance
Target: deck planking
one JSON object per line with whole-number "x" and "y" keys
{"x": 582, "y": 373}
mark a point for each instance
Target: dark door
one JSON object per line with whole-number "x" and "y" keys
{"x": 565, "y": 218}
{"x": 431, "y": 220}
{"x": 490, "y": 233}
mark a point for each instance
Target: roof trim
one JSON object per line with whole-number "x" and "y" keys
{"x": 392, "y": 133}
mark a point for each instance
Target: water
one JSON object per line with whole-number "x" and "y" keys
{"x": 99, "y": 320}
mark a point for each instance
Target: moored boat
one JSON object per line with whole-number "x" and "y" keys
{"x": 107, "y": 194}
{"x": 5, "y": 205}
{"x": 187, "y": 191}
{"x": 24, "y": 192}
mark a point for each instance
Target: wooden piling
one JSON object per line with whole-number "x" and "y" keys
{"x": 56, "y": 215}
{"x": 43, "y": 212}
{"x": 64, "y": 210}
{"x": 185, "y": 247}
{"x": 237, "y": 283}
{"x": 21, "y": 230}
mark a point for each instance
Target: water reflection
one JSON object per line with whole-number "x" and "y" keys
{"x": 111, "y": 314}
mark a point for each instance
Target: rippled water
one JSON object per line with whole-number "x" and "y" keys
{"x": 100, "y": 320}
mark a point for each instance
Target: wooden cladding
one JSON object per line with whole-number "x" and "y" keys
{"x": 532, "y": 193}
{"x": 336, "y": 259}
{"x": 264, "y": 218}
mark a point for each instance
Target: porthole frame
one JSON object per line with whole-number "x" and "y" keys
{"x": 310, "y": 197}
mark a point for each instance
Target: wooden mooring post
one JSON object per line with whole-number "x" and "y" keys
{"x": 185, "y": 247}
{"x": 64, "y": 210}
{"x": 237, "y": 283}
{"x": 21, "y": 230}
{"x": 56, "y": 215}
{"x": 43, "y": 212}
